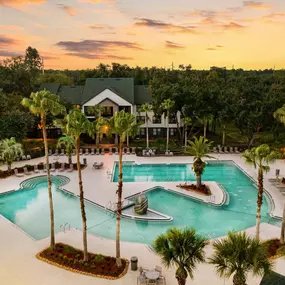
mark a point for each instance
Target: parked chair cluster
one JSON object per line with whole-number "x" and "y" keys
{"x": 24, "y": 157}
{"x": 153, "y": 276}
{"x": 149, "y": 152}
{"x": 226, "y": 149}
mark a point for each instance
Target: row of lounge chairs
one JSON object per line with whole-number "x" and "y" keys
{"x": 92, "y": 151}
{"x": 225, "y": 150}
{"x": 36, "y": 169}
{"x": 24, "y": 157}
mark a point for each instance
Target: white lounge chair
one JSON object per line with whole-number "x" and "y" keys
{"x": 220, "y": 150}
{"x": 97, "y": 151}
{"x": 29, "y": 157}
{"x": 56, "y": 152}
{"x": 116, "y": 151}
{"x": 133, "y": 150}
{"x": 62, "y": 152}
{"x": 86, "y": 151}
{"x": 52, "y": 167}
{"x": 45, "y": 168}
{"x": 74, "y": 152}
{"x": 231, "y": 149}
{"x": 236, "y": 150}
{"x": 110, "y": 151}
{"x": 62, "y": 167}
{"x": 103, "y": 151}
{"x": 80, "y": 151}
{"x": 26, "y": 171}
{"x": 70, "y": 168}
{"x": 226, "y": 149}
{"x": 36, "y": 169}
{"x": 24, "y": 157}
{"x": 17, "y": 173}
{"x": 92, "y": 151}
{"x": 128, "y": 150}
{"x": 50, "y": 152}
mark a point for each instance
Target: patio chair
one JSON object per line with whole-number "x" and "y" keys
{"x": 24, "y": 157}
{"x": 128, "y": 150}
{"x": 17, "y": 173}
{"x": 36, "y": 169}
{"x": 231, "y": 149}
{"x": 141, "y": 280}
{"x": 92, "y": 151}
{"x": 50, "y": 152}
{"x": 170, "y": 153}
{"x": 237, "y": 150}
{"x": 214, "y": 150}
{"x": 158, "y": 269}
{"x": 26, "y": 171}
{"x": 56, "y": 152}
{"x": 86, "y": 151}
{"x": 62, "y": 167}
{"x": 74, "y": 152}
{"x": 81, "y": 151}
{"x": 29, "y": 157}
{"x": 62, "y": 152}
{"x": 103, "y": 151}
{"x": 45, "y": 168}
{"x": 110, "y": 151}
{"x": 52, "y": 167}
{"x": 70, "y": 168}
{"x": 116, "y": 151}
{"x": 220, "y": 150}
{"x": 226, "y": 149}
{"x": 97, "y": 151}
{"x": 133, "y": 150}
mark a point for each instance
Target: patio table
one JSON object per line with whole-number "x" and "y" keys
{"x": 152, "y": 274}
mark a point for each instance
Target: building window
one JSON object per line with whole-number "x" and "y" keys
{"x": 172, "y": 132}
{"x": 88, "y": 111}
{"x": 142, "y": 131}
{"x": 156, "y": 120}
{"x": 158, "y": 132}
{"x": 140, "y": 119}
{"x": 108, "y": 111}
{"x": 154, "y": 132}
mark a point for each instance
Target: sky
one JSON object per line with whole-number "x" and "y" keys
{"x": 79, "y": 34}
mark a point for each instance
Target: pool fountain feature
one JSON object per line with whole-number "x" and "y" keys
{"x": 141, "y": 205}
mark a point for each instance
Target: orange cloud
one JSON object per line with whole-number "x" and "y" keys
{"x": 98, "y": 1}
{"x": 9, "y": 27}
{"x": 232, "y": 26}
{"x": 256, "y": 5}
{"x": 13, "y": 3}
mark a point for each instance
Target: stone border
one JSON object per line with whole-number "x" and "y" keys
{"x": 82, "y": 272}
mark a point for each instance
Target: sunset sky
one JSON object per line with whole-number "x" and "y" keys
{"x": 79, "y": 34}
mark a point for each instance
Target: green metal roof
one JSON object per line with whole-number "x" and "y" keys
{"x": 273, "y": 278}
{"x": 123, "y": 87}
{"x": 72, "y": 94}
{"x": 52, "y": 87}
{"x": 142, "y": 95}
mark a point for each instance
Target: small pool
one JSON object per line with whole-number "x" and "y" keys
{"x": 29, "y": 208}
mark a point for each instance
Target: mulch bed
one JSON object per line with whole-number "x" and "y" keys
{"x": 204, "y": 189}
{"x": 71, "y": 259}
{"x": 275, "y": 248}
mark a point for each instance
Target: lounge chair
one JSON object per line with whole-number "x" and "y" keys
{"x": 70, "y": 168}
{"x": 62, "y": 167}
{"x": 237, "y": 150}
{"x": 56, "y": 153}
{"x": 103, "y": 151}
{"x": 116, "y": 151}
{"x": 220, "y": 150}
{"x": 110, "y": 151}
{"x": 50, "y": 152}
{"x": 29, "y": 157}
{"x": 97, "y": 165}
{"x": 97, "y": 151}
{"x": 26, "y": 171}
{"x": 45, "y": 168}
{"x": 92, "y": 151}
{"x": 36, "y": 169}
{"x": 133, "y": 150}
{"x": 61, "y": 152}
{"x": 17, "y": 173}
{"x": 231, "y": 149}
{"x": 24, "y": 157}
{"x": 80, "y": 151}
{"x": 86, "y": 151}
{"x": 52, "y": 167}
{"x": 74, "y": 152}
{"x": 128, "y": 150}
{"x": 226, "y": 149}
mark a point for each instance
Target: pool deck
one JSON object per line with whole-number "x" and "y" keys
{"x": 18, "y": 265}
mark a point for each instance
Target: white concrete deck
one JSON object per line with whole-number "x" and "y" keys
{"x": 18, "y": 265}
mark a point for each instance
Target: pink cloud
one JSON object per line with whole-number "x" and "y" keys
{"x": 13, "y": 3}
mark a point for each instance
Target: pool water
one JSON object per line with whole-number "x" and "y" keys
{"x": 29, "y": 208}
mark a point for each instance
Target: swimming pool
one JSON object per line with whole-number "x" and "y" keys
{"x": 29, "y": 208}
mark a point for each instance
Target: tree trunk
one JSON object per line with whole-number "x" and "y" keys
{"x": 259, "y": 201}
{"x": 116, "y": 139}
{"x": 52, "y": 238}
{"x": 239, "y": 279}
{"x": 224, "y": 135}
{"x": 146, "y": 123}
{"x": 167, "y": 132}
{"x": 119, "y": 204}
{"x": 82, "y": 206}
{"x": 251, "y": 140}
{"x": 97, "y": 139}
{"x": 282, "y": 237}
{"x": 181, "y": 276}
{"x": 9, "y": 165}
{"x": 205, "y": 128}
{"x": 198, "y": 181}
{"x": 128, "y": 138}
{"x": 69, "y": 159}
{"x": 185, "y": 144}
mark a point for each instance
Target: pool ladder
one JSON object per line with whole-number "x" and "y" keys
{"x": 65, "y": 226}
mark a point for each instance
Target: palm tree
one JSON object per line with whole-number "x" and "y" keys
{"x": 260, "y": 157}
{"x": 68, "y": 143}
{"x": 238, "y": 255}
{"x": 187, "y": 121}
{"x": 121, "y": 124}
{"x": 41, "y": 104}
{"x": 97, "y": 110}
{"x": 167, "y": 105}
{"x": 182, "y": 248}
{"x": 77, "y": 124}
{"x": 146, "y": 108}
{"x": 9, "y": 151}
{"x": 280, "y": 116}
{"x": 200, "y": 149}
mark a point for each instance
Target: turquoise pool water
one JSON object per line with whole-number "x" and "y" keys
{"x": 29, "y": 208}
